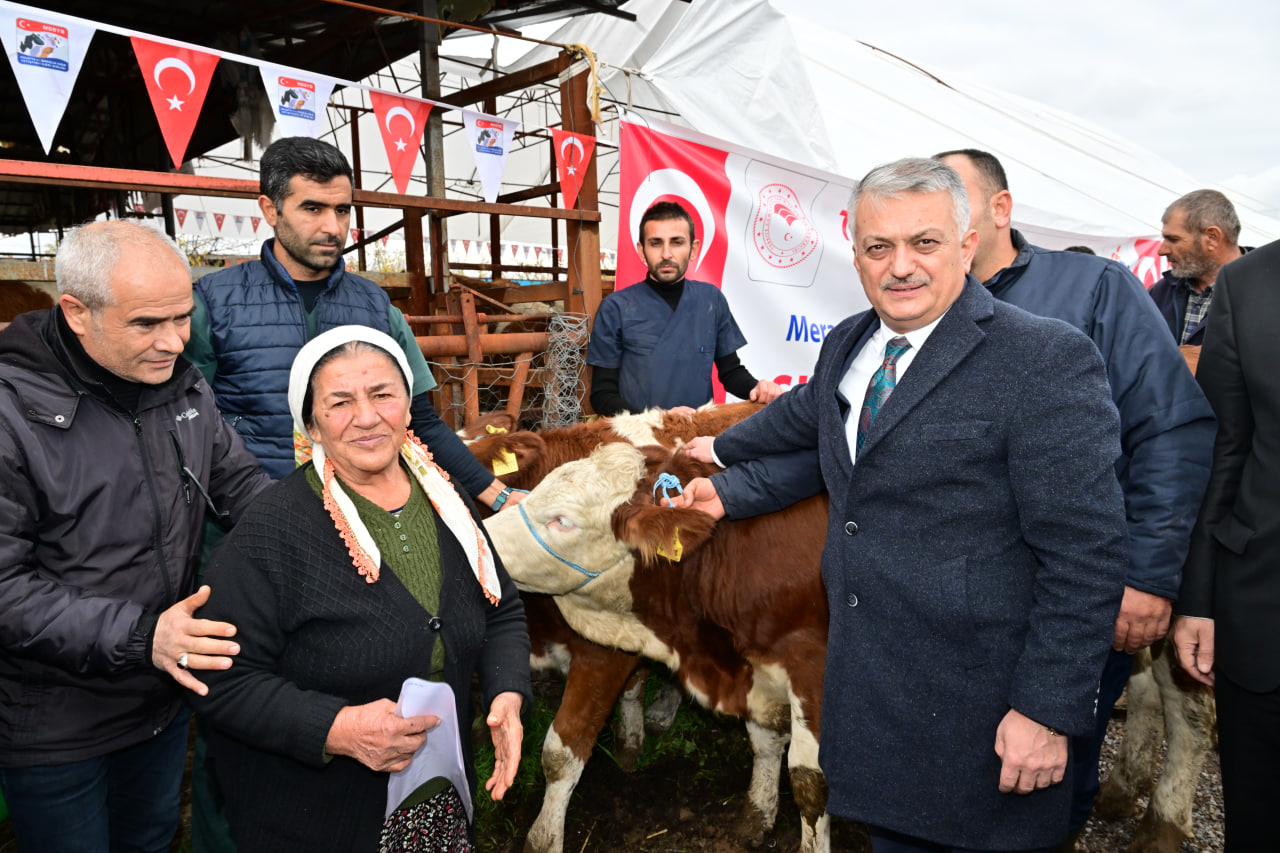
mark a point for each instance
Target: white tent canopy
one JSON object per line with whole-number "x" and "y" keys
{"x": 743, "y": 71}
{"x": 746, "y": 72}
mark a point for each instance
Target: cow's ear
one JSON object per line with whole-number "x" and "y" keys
{"x": 659, "y": 532}
{"x": 507, "y": 455}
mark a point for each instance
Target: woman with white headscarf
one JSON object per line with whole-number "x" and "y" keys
{"x": 361, "y": 569}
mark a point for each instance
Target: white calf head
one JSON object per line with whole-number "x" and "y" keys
{"x": 570, "y": 511}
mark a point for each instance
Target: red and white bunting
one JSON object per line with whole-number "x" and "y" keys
{"x": 177, "y": 80}
{"x": 385, "y": 238}
{"x": 181, "y": 213}
{"x": 199, "y": 220}
{"x": 46, "y": 52}
{"x": 255, "y": 221}
{"x": 402, "y": 121}
{"x": 490, "y": 139}
{"x": 218, "y": 218}
{"x": 239, "y": 224}
{"x": 573, "y": 155}
{"x": 298, "y": 99}
{"x": 355, "y": 235}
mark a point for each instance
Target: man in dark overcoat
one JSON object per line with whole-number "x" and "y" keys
{"x": 1228, "y": 609}
{"x": 977, "y": 549}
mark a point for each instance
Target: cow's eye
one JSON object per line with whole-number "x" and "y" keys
{"x": 562, "y": 523}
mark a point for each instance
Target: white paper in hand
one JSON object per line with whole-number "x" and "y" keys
{"x": 441, "y": 755}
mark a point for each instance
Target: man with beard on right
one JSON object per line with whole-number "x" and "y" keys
{"x": 1200, "y": 231}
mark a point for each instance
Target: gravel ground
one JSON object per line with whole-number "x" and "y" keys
{"x": 1113, "y": 836}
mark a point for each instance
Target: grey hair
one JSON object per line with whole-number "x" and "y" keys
{"x": 914, "y": 175}
{"x": 88, "y": 255}
{"x": 1202, "y": 208}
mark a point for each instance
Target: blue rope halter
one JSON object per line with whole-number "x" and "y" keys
{"x": 529, "y": 524}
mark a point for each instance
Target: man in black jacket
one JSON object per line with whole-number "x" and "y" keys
{"x": 1200, "y": 231}
{"x": 113, "y": 450}
{"x": 1229, "y": 604}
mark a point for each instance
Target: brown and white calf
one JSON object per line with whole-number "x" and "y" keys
{"x": 597, "y": 677}
{"x": 736, "y": 610}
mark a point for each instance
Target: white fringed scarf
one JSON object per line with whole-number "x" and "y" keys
{"x": 434, "y": 481}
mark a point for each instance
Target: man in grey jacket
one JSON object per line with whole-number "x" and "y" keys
{"x": 113, "y": 451}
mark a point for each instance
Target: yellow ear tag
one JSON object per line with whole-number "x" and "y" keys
{"x": 493, "y": 430}
{"x": 677, "y": 548}
{"x": 505, "y": 464}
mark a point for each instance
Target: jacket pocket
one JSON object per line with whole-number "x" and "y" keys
{"x": 1233, "y": 533}
{"x": 954, "y": 430}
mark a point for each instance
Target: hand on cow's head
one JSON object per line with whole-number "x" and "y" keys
{"x": 657, "y": 531}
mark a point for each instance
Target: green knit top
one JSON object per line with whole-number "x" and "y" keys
{"x": 408, "y": 541}
{"x": 410, "y": 548}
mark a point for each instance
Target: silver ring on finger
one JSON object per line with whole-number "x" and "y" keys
{"x": 182, "y": 661}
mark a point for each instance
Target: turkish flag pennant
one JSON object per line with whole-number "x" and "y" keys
{"x": 181, "y": 213}
{"x": 355, "y": 235}
{"x": 177, "y": 80}
{"x": 402, "y": 121}
{"x": 385, "y": 238}
{"x": 218, "y": 218}
{"x": 573, "y": 155}
{"x": 255, "y": 221}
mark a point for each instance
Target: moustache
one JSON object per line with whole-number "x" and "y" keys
{"x": 895, "y": 283}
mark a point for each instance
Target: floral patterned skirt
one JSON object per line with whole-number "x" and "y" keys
{"x": 438, "y": 825}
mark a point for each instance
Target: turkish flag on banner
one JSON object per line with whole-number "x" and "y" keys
{"x": 181, "y": 213}
{"x": 1142, "y": 255}
{"x": 355, "y": 235}
{"x": 385, "y": 238}
{"x": 771, "y": 235}
{"x": 255, "y": 221}
{"x": 573, "y": 155}
{"x": 177, "y": 80}
{"x": 219, "y": 218}
{"x": 402, "y": 121}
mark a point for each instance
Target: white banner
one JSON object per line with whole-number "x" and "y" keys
{"x": 46, "y": 52}
{"x": 775, "y": 238}
{"x": 298, "y": 99}
{"x": 490, "y": 138}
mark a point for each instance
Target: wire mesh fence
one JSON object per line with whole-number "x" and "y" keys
{"x": 541, "y": 389}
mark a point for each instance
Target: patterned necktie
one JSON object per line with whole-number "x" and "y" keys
{"x": 880, "y": 387}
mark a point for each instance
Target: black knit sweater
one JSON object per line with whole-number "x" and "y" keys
{"x": 314, "y": 637}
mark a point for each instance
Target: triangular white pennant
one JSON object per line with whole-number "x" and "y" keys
{"x": 46, "y": 52}
{"x": 490, "y": 140}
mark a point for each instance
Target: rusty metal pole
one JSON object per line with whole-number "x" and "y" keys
{"x": 358, "y": 184}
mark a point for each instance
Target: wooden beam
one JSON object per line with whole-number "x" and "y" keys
{"x": 582, "y": 237}
{"x": 523, "y": 79}
{"x": 100, "y": 177}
